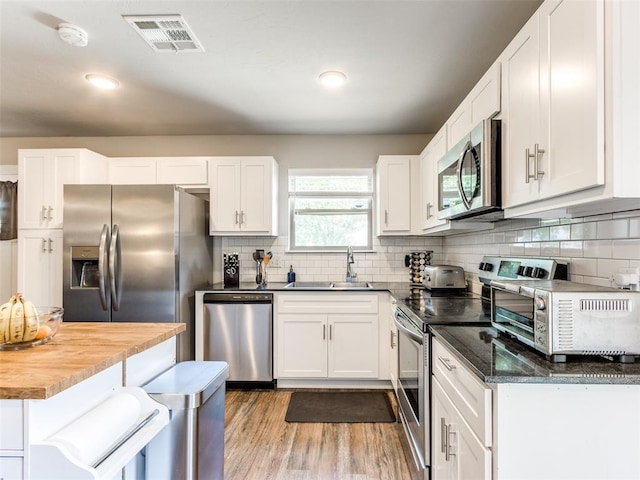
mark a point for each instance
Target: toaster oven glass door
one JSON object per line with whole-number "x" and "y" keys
{"x": 512, "y": 313}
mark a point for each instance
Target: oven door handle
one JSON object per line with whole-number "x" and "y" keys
{"x": 410, "y": 333}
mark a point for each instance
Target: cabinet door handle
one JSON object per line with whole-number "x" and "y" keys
{"x": 241, "y": 217}
{"x": 237, "y": 217}
{"x": 537, "y": 152}
{"x": 429, "y": 206}
{"x": 527, "y": 170}
{"x": 445, "y": 362}
{"x": 49, "y": 215}
{"x": 44, "y": 245}
{"x": 324, "y": 332}
{"x": 443, "y": 435}
{"x": 393, "y": 343}
{"x": 535, "y": 156}
{"x": 50, "y": 247}
{"x": 386, "y": 218}
{"x": 449, "y": 452}
{"x": 43, "y": 214}
{"x": 330, "y": 332}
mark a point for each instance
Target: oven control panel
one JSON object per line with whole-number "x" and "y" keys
{"x": 521, "y": 268}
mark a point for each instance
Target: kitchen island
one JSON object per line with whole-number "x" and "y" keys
{"x": 45, "y": 388}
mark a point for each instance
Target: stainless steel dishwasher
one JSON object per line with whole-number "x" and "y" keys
{"x": 238, "y": 329}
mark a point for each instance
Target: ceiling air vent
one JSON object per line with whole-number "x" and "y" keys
{"x": 165, "y": 33}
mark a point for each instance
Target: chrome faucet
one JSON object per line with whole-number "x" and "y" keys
{"x": 350, "y": 275}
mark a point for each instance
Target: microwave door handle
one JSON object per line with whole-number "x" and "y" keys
{"x": 102, "y": 266}
{"x": 468, "y": 148}
{"x": 463, "y": 197}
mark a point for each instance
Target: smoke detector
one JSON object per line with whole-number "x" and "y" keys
{"x": 73, "y": 35}
{"x": 165, "y": 33}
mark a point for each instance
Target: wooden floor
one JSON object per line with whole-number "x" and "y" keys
{"x": 260, "y": 445}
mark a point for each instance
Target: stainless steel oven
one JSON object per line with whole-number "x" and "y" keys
{"x": 413, "y": 385}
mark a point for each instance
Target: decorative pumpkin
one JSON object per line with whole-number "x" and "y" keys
{"x": 19, "y": 320}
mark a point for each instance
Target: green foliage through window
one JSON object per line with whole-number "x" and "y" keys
{"x": 330, "y": 210}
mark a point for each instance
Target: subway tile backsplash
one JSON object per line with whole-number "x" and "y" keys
{"x": 595, "y": 247}
{"x": 384, "y": 264}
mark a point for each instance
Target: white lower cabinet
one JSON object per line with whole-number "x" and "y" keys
{"x": 11, "y": 468}
{"x": 333, "y": 346}
{"x": 327, "y": 336}
{"x": 457, "y": 452}
{"x": 529, "y": 431}
{"x": 461, "y": 420}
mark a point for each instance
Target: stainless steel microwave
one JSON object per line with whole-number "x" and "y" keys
{"x": 469, "y": 180}
{"x": 561, "y": 318}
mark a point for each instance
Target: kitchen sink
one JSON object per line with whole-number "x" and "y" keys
{"x": 330, "y": 285}
{"x": 351, "y": 285}
{"x": 309, "y": 285}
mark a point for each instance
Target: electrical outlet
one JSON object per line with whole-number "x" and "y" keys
{"x": 627, "y": 278}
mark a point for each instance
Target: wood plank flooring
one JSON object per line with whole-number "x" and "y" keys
{"x": 260, "y": 445}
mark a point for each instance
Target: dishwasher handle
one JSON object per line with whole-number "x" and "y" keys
{"x": 238, "y": 297}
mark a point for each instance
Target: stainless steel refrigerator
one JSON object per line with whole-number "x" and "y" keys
{"x": 135, "y": 253}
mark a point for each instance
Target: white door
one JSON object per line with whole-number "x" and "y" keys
{"x": 224, "y": 200}
{"x": 436, "y": 149}
{"x": 442, "y": 413}
{"x": 572, "y": 95}
{"x": 257, "y": 195}
{"x": 33, "y": 190}
{"x": 520, "y": 105}
{"x": 63, "y": 170}
{"x": 395, "y": 194}
{"x": 302, "y": 346}
{"x": 40, "y": 266}
{"x": 353, "y": 346}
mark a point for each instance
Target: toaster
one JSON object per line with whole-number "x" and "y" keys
{"x": 443, "y": 277}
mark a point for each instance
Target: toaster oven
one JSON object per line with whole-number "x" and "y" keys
{"x": 561, "y": 318}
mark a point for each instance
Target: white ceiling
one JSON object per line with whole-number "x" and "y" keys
{"x": 408, "y": 63}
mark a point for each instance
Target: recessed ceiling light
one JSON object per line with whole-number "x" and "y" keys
{"x": 332, "y": 79}
{"x": 102, "y": 81}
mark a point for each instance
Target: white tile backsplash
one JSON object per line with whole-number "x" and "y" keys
{"x": 595, "y": 247}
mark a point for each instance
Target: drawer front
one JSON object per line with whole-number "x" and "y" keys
{"x": 326, "y": 303}
{"x": 470, "y": 396}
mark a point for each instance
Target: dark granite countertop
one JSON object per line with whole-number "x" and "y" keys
{"x": 404, "y": 287}
{"x": 496, "y": 358}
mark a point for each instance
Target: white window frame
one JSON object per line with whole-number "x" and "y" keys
{"x": 328, "y": 172}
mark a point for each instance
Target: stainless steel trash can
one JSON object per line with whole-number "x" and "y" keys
{"x": 191, "y": 446}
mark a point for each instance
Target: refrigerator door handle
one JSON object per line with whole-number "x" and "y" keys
{"x": 102, "y": 271}
{"x": 115, "y": 268}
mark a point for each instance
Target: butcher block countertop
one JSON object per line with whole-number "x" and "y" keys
{"x": 77, "y": 352}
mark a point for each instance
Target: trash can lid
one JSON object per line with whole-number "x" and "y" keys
{"x": 187, "y": 384}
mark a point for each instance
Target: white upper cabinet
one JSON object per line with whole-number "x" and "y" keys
{"x": 433, "y": 152}
{"x": 393, "y": 181}
{"x": 244, "y": 196}
{"x": 183, "y": 171}
{"x": 553, "y": 87}
{"x": 132, "y": 171}
{"x": 569, "y": 89}
{"x": 42, "y": 175}
{"x": 482, "y": 102}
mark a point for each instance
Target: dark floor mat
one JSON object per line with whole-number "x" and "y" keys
{"x": 340, "y": 407}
